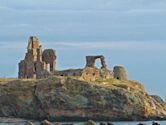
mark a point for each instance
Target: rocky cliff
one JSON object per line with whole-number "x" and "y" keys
{"x": 68, "y": 98}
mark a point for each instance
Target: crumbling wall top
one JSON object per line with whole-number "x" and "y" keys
{"x": 33, "y": 43}
{"x": 49, "y": 55}
{"x": 90, "y": 61}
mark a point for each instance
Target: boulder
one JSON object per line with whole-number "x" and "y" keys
{"x": 103, "y": 123}
{"x": 109, "y": 123}
{"x": 90, "y": 122}
{"x": 68, "y": 124}
{"x": 29, "y": 123}
{"x": 57, "y": 123}
{"x": 155, "y": 123}
{"x": 141, "y": 123}
{"x": 45, "y": 122}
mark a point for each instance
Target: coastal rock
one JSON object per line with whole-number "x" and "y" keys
{"x": 57, "y": 123}
{"x": 45, "y": 122}
{"x": 68, "y": 98}
{"x": 142, "y": 124}
{"x": 109, "y": 123}
{"x": 29, "y": 123}
{"x": 103, "y": 123}
{"x": 155, "y": 123}
{"x": 90, "y": 122}
{"x": 157, "y": 98}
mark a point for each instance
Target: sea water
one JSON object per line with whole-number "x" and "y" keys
{"x": 97, "y": 123}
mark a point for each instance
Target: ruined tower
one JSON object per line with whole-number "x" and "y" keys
{"x": 120, "y": 73}
{"x": 34, "y": 64}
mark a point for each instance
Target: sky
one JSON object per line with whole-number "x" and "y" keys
{"x": 131, "y": 33}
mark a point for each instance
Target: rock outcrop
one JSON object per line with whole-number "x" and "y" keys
{"x": 68, "y": 98}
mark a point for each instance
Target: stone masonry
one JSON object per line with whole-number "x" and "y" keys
{"x": 35, "y": 63}
{"x": 41, "y": 64}
{"x": 120, "y": 73}
{"x": 90, "y": 61}
{"x": 92, "y": 73}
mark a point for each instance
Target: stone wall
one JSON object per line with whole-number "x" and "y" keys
{"x": 69, "y": 72}
{"x": 93, "y": 74}
{"x": 90, "y": 61}
{"x": 35, "y": 63}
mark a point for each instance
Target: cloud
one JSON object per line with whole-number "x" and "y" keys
{"x": 111, "y": 45}
{"x": 84, "y": 20}
{"x": 139, "y": 45}
{"x": 10, "y": 45}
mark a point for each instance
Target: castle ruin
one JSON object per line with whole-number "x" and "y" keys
{"x": 120, "y": 73}
{"x": 90, "y": 61}
{"x": 41, "y": 64}
{"x": 35, "y": 63}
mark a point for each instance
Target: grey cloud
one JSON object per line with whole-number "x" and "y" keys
{"x": 111, "y": 45}
{"x": 78, "y": 20}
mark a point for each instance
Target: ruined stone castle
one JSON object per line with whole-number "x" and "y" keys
{"x": 41, "y": 64}
{"x": 36, "y": 61}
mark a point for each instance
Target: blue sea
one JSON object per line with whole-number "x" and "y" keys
{"x": 97, "y": 123}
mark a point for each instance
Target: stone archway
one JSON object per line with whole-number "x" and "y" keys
{"x": 49, "y": 57}
{"x": 90, "y": 61}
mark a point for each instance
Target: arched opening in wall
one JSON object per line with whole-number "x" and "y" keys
{"x": 98, "y": 63}
{"x": 35, "y": 67}
{"x": 117, "y": 78}
{"x": 48, "y": 67}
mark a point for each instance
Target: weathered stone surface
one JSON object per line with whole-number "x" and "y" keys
{"x": 34, "y": 65}
{"x": 69, "y": 72}
{"x": 90, "y": 122}
{"x": 57, "y": 123}
{"x": 66, "y": 98}
{"x": 33, "y": 43}
{"x": 90, "y": 61}
{"x": 45, "y": 122}
{"x": 88, "y": 73}
{"x": 120, "y": 73}
{"x": 103, "y": 123}
{"x": 93, "y": 74}
{"x": 109, "y": 123}
{"x": 49, "y": 57}
{"x": 141, "y": 123}
{"x": 157, "y": 98}
{"x": 29, "y": 123}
